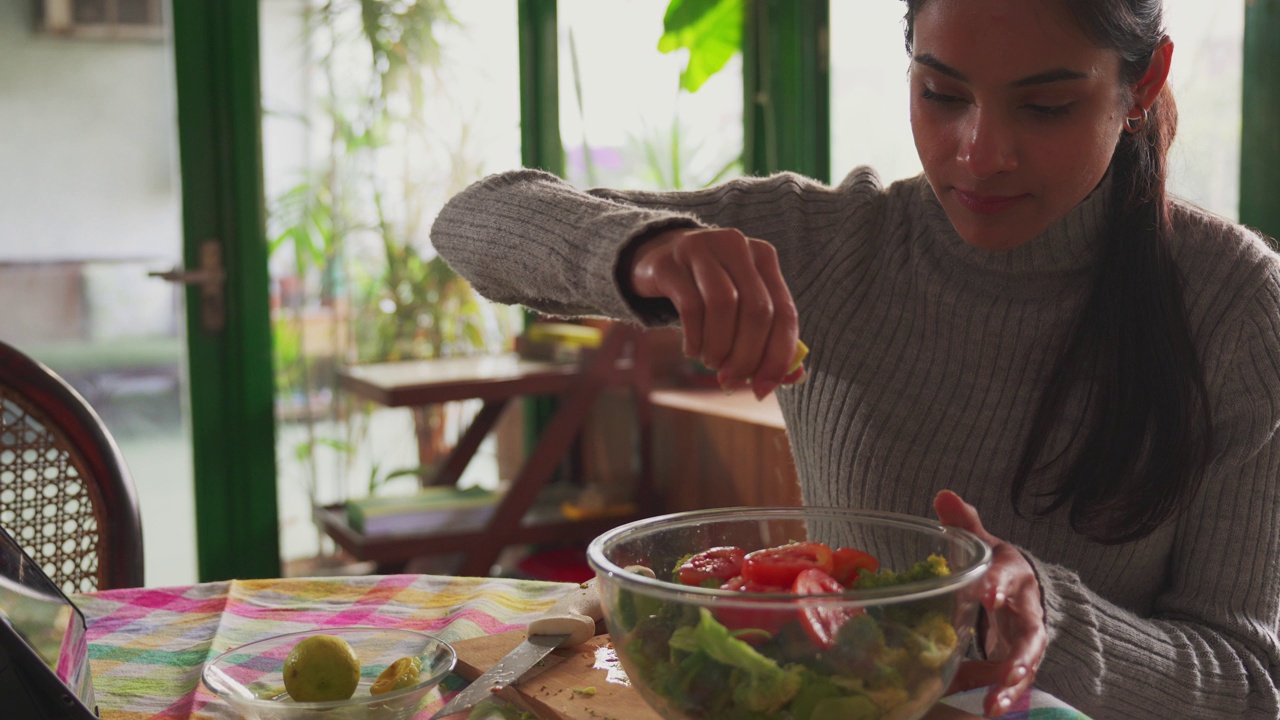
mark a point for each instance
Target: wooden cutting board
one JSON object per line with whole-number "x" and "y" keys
{"x": 554, "y": 689}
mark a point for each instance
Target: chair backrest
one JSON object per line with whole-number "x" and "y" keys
{"x": 65, "y": 492}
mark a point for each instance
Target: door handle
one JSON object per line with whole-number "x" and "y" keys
{"x": 212, "y": 279}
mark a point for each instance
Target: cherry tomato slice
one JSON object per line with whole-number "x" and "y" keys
{"x": 742, "y": 584}
{"x": 711, "y": 567}
{"x": 821, "y": 621}
{"x": 770, "y": 619}
{"x": 780, "y": 565}
{"x": 849, "y": 562}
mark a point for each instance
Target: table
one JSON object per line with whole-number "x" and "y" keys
{"x": 620, "y": 361}
{"x": 147, "y": 646}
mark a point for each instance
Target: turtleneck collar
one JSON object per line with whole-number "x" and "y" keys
{"x": 1057, "y": 257}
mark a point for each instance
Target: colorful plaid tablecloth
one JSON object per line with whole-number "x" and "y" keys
{"x": 148, "y": 646}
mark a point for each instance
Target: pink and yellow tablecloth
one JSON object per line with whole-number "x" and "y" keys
{"x": 148, "y": 646}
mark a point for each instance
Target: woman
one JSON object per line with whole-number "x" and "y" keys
{"x": 1031, "y": 324}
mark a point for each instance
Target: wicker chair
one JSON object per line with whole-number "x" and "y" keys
{"x": 65, "y": 492}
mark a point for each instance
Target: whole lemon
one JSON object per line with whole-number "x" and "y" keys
{"x": 321, "y": 668}
{"x": 400, "y": 674}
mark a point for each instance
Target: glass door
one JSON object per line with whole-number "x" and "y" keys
{"x": 89, "y": 204}
{"x": 129, "y": 135}
{"x": 631, "y": 115}
{"x": 375, "y": 112}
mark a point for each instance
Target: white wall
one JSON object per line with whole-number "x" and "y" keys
{"x": 87, "y": 146}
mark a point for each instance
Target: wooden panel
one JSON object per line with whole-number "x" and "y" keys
{"x": 779, "y": 480}
{"x": 609, "y": 445}
{"x": 705, "y": 459}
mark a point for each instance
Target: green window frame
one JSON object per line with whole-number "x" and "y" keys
{"x": 786, "y": 87}
{"x": 232, "y": 411}
{"x": 1260, "y": 126}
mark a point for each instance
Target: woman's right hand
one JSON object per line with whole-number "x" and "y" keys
{"x": 738, "y": 316}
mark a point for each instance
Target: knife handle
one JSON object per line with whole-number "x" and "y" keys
{"x": 574, "y": 614}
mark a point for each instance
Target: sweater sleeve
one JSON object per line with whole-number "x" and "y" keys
{"x": 1209, "y": 649}
{"x": 530, "y": 238}
{"x": 527, "y": 237}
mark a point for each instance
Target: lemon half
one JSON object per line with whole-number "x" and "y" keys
{"x": 400, "y": 674}
{"x": 802, "y": 352}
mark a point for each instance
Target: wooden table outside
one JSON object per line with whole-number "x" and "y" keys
{"x": 620, "y": 361}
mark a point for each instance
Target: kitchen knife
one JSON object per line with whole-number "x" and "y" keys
{"x": 570, "y": 621}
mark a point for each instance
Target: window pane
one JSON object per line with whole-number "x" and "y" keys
{"x": 870, "y": 124}
{"x": 90, "y": 12}
{"x": 135, "y": 12}
{"x": 624, "y": 120}
{"x": 361, "y": 150}
{"x": 1206, "y": 77}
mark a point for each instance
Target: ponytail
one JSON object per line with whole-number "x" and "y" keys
{"x": 1148, "y": 439}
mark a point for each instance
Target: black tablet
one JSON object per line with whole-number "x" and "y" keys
{"x": 44, "y": 651}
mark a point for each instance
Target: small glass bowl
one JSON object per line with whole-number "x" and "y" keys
{"x": 250, "y": 677}
{"x": 894, "y": 660}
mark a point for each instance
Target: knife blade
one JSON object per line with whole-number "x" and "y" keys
{"x": 570, "y": 621}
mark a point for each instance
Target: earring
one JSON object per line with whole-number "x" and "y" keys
{"x": 1135, "y": 124}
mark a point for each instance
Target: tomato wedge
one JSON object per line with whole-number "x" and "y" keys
{"x": 780, "y": 565}
{"x": 822, "y": 621}
{"x": 711, "y": 567}
{"x": 849, "y": 562}
{"x": 770, "y": 619}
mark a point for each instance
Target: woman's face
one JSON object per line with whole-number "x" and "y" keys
{"x": 1015, "y": 114}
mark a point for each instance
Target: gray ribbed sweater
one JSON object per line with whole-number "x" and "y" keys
{"x": 927, "y": 359}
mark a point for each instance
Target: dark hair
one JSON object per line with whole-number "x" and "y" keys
{"x": 1143, "y": 446}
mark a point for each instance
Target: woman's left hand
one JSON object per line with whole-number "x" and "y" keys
{"x": 1014, "y": 637}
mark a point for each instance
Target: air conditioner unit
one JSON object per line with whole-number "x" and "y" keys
{"x": 103, "y": 19}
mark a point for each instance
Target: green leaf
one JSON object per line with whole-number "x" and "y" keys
{"x": 711, "y": 30}
{"x": 340, "y": 445}
{"x": 684, "y": 13}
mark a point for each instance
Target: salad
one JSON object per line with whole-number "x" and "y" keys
{"x": 787, "y": 657}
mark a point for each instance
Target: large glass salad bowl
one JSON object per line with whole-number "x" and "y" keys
{"x": 790, "y": 613}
